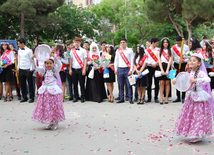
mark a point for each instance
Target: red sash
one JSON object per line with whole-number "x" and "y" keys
{"x": 140, "y": 63}
{"x": 112, "y": 67}
{"x": 166, "y": 56}
{"x": 62, "y": 68}
{"x": 177, "y": 51}
{"x": 88, "y": 55}
{"x": 204, "y": 55}
{"x": 78, "y": 58}
{"x": 124, "y": 57}
{"x": 6, "y": 54}
{"x": 152, "y": 54}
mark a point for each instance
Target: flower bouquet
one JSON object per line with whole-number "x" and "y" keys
{"x": 96, "y": 62}
{"x": 188, "y": 54}
{"x": 105, "y": 63}
{"x": 4, "y": 62}
{"x": 67, "y": 54}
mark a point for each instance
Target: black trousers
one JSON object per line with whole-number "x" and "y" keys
{"x": 183, "y": 65}
{"x": 150, "y": 76}
{"x": 23, "y": 76}
{"x": 78, "y": 77}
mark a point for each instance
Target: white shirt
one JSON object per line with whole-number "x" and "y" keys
{"x": 176, "y": 57}
{"x": 150, "y": 60}
{"x": 10, "y": 56}
{"x": 119, "y": 62}
{"x": 24, "y": 58}
{"x": 163, "y": 59}
{"x": 82, "y": 54}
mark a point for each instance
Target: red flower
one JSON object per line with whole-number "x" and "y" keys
{"x": 95, "y": 57}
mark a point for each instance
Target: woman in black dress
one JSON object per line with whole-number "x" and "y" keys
{"x": 140, "y": 61}
{"x": 165, "y": 58}
{"x": 95, "y": 89}
{"x": 110, "y": 81}
{"x": 7, "y": 73}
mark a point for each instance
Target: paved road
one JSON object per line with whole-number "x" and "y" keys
{"x": 97, "y": 128}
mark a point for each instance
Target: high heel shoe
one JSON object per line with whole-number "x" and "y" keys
{"x": 112, "y": 99}
{"x": 109, "y": 98}
{"x": 54, "y": 126}
{"x": 5, "y": 99}
{"x": 48, "y": 127}
{"x": 141, "y": 101}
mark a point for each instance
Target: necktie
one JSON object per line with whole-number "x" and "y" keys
{"x": 22, "y": 48}
{"x": 77, "y": 49}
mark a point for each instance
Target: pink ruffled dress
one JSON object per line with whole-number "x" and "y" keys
{"x": 49, "y": 105}
{"x": 195, "y": 118}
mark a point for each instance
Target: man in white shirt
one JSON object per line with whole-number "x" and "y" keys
{"x": 123, "y": 65}
{"x": 103, "y": 46}
{"x": 176, "y": 49}
{"x": 25, "y": 70}
{"x": 77, "y": 68}
{"x": 152, "y": 62}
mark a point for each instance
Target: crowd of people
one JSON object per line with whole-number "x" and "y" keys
{"x": 75, "y": 65}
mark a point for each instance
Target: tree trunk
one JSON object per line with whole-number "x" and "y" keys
{"x": 188, "y": 23}
{"x": 22, "y": 26}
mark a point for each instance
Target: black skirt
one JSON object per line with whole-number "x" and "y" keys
{"x": 62, "y": 76}
{"x": 164, "y": 77}
{"x": 95, "y": 89}
{"x": 212, "y": 79}
{"x": 111, "y": 78}
{"x": 7, "y": 74}
{"x": 142, "y": 82}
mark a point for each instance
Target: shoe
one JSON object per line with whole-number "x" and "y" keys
{"x": 161, "y": 103}
{"x": 177, "y": 100}
{"x": 138, "y": 102}
{"x": 195, "y": 140}
{"x": 149, "y": 100}
{"x": 166, "y": 102}
{"x": 71, "y": 98}
{"x": 82, "y": 100}
{"x": 182, "y": 100}
{"x": 5, "y": 99}
{"x": 75, "y": 100}
{"x": 135, "y": 100}
{"x": 67, "y": 97}
{"x": 127, "y": 98}
{"x": 24, "y": 100}
{"x": 48, "y": 127}
{"x": 79, "y": 98}
{"x": 54, "y": 126}
{"x": 131, "y": 102}
{"x": 118, "y": 98}
{"x": 120, "y": 101}
{"x": 142, "y": 101}
{"x": 10, "y": 98}
{"x": 31, "y": 101}
{"x": 19, "y": 98}
{"x": 156, "y": 101}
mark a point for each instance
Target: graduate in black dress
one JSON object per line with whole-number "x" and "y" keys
{"x": 7, "y": 73}
{"x": 140, "y": 62}
{"x": 95, "y": 89}
{"x": 110, "y": 81}
{"x": 165, "y": 58}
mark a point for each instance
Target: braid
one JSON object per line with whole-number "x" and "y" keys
{"x": 196, "y": 75}
{"x": 54, "y": 72}
{"x": 43, "y": 77}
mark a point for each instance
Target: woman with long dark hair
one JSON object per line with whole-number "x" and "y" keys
{"x": 110, "y": 81}
{"x": 60, "y": 53}
{"x": 7, "y": 74}
{"x": 165, "y": 58}
{"x": 194, "y": 44}
{"x": 140, "y": 61}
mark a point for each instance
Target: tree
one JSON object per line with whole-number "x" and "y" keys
{"x": 191, "y": 11}
{"x": 77, "y": 22}
{"x": 34, "y": 11}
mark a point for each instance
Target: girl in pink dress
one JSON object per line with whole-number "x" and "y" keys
{"x": 49, "y": 105}
{"x": 195, "y": 118}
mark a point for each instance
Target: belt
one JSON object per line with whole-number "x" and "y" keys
{"x": 77, "y": 69}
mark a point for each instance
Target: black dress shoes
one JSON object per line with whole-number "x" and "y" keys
{"x": 131, "y": 102}
{"x": 127, "y": 98}
{"x": 75, "y": 100}
{"x": 120, "y": 101}
{"x": 177, "y": 100}
{"x": 70, "y": 98}
{"x": 31, "y": 101}
{"x": 118, "y": 98}
{"x": 149, "y": 100}
{"x": 24, "y": 100}
{"x": 156, "y": 101}
{"x": 82, "y": 100}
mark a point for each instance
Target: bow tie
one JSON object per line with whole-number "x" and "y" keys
{"x": 22, "y": 48}
{"x": 77, "y": 48}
